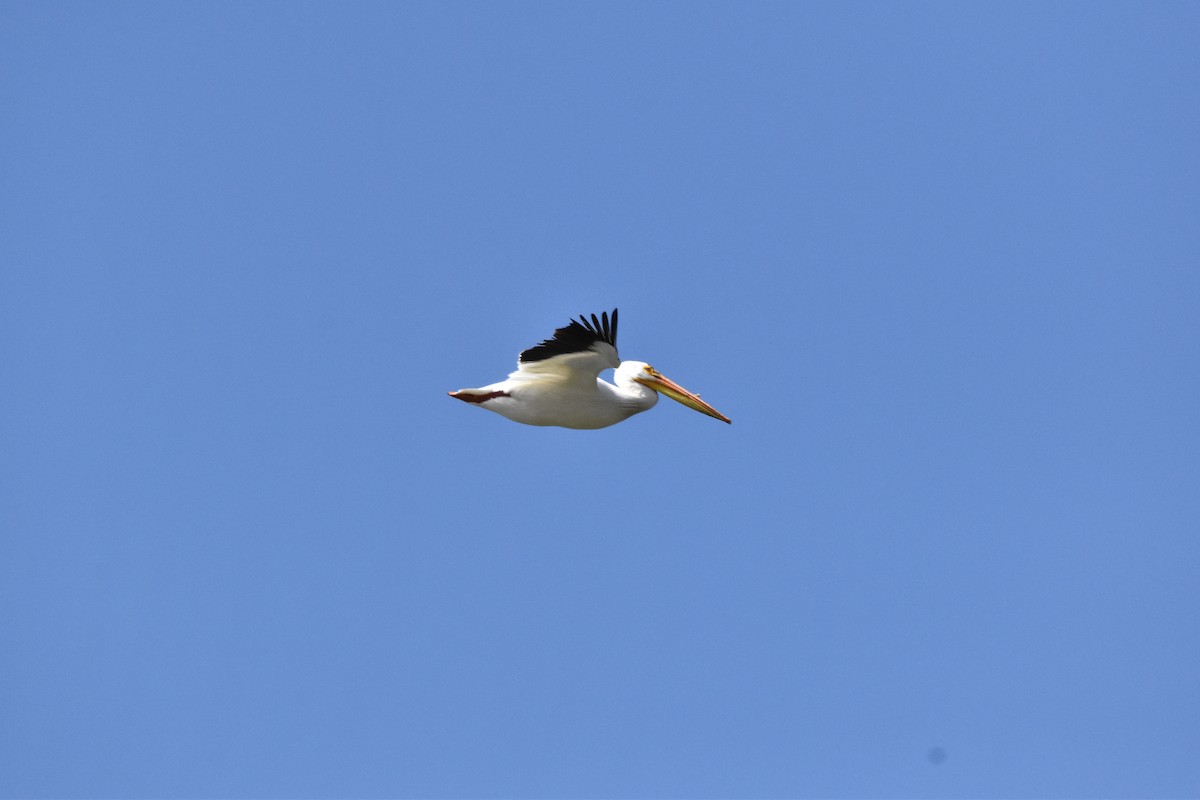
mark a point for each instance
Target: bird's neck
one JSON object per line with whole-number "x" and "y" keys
{"x": 634, "y": 395}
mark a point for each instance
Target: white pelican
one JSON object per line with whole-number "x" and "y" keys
{"x": 558, "y": 382}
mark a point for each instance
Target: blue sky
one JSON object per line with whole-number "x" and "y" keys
{"x": 937, "y": 261}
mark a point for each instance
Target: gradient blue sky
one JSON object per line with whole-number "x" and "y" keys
{"x": 939, "y": 263}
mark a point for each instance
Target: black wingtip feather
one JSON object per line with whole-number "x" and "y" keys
{"x": 578, "y": 336}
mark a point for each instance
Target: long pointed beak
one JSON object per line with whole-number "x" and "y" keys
{"x": 673, "y": 390}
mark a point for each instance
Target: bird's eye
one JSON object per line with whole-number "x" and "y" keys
{"x": 651, "y": 370}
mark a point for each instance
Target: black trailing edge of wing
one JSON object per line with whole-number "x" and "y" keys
{"x": 577, "y": 337}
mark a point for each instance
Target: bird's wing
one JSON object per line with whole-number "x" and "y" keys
{"x": 578, "y": 352}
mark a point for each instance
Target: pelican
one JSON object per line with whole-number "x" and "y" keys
{"x": 558, "y": 382}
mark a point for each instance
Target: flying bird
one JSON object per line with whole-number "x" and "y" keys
{"x": 558, "y": 382}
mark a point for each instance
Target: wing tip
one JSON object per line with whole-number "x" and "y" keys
{"x": 577, "y": 336}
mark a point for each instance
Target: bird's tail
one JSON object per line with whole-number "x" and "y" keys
{"x": 476, "y": 395}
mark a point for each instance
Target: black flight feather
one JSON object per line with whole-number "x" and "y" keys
{"x": 577, "y": 337}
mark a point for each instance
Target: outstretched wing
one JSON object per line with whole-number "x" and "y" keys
{"x": 578, "y": 352}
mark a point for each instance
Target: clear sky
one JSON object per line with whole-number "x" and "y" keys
{"x": 939, "y": 262}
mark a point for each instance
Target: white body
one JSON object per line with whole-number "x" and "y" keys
{"x": 570, "y": 399}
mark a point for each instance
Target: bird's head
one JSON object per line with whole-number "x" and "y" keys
{"x": 648, "y": 376}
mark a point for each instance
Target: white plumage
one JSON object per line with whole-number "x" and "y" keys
{"x": 557, "y": 382}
